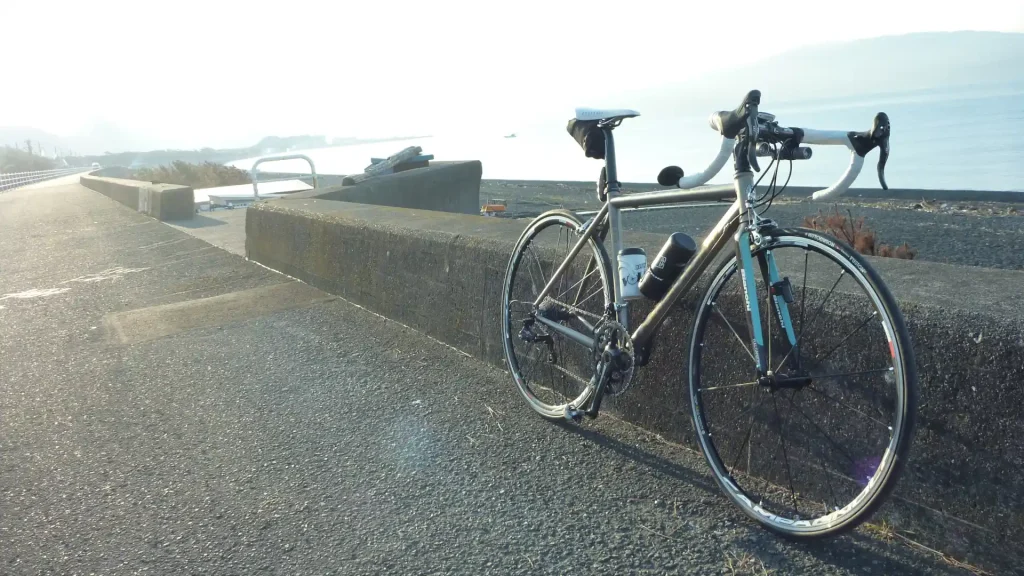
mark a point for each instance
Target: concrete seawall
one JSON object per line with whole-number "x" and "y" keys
{"x": 161, "y": 201}
{"x": 442, "y": 274}
{"x": 442, "y": 186}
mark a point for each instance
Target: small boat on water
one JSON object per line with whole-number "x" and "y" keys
{"x": 513, "y": 135}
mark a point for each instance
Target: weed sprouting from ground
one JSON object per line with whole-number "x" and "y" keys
{"x": 856, "y": 234}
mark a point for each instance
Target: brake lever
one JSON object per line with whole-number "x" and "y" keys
{"x": 880, "y": 130}
{"x": 864, "y": 142}
{"x": 752, "y": 133}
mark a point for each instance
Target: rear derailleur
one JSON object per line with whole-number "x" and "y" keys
{"x": 530, "y": 337}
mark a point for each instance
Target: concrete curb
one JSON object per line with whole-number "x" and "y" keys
{"x": 161, "y": 201}
{"x": 442, "y": 274}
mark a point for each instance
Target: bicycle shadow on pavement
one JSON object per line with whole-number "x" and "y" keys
{"x": 855, "y": 552}
{"x": 653, "y": 461}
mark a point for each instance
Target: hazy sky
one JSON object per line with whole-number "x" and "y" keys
{"x": 187, "y": 73}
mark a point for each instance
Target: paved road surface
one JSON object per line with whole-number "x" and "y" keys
{"x": 168, "y": 408}
{"x": 222, "y": 228}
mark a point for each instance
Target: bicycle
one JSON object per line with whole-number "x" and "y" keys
{"x": 873, "y": 384}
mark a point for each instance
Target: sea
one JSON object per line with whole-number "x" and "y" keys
{"x": 966, "y": 139}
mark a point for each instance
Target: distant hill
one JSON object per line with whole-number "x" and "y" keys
{"x": 17, "y": 135}
{"x": 886, "y": 65}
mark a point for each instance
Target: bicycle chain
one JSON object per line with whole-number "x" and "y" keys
{"x": 571, "y": 308}
{"x": 603, "y": 323}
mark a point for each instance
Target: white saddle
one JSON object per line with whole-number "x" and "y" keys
{"x": 604, "y": 114}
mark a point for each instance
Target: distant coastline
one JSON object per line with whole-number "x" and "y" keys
{"x": 269, "y": 145}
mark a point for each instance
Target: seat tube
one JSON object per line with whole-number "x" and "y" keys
{"x": 615, "y": 225}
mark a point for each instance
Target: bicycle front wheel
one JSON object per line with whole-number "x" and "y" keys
{"x": 814, "y": 447}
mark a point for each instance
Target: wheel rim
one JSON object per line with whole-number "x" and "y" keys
{"x": 551, "y": 386}
{"x": 774, "y": 496}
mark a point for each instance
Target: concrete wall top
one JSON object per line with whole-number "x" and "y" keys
{"x": 987, "y": 290}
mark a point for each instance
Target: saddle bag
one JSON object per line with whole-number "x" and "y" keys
{"x": 589, "y": 136}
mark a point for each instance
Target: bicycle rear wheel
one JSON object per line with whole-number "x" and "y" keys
{"x": 550, "y": 370}
{"x": 814, "y": 449}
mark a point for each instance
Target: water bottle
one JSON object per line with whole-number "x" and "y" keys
{"x": 632, "y": 263}
{"x": 667, "y": 266}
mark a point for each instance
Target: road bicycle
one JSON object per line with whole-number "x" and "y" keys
{"x": 802, "y": 378}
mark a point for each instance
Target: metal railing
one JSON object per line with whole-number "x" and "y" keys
{"x": 256, "y": 173}
{"x": 11, "y": 180}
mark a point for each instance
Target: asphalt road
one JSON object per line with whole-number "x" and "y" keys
{"x": 166, "y": 408}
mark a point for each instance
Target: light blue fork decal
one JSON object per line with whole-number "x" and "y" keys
{"x": 781, "y": 306}
{"x": 750, "y": 298}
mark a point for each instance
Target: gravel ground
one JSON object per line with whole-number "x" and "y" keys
{"x": 321, "y": 440}
{"x": 975, "y": 234}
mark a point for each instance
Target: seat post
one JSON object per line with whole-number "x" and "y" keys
{"x": 614, "y": 224}
{"x": 611, "y": 173}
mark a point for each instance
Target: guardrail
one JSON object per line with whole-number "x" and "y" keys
{"x": 13, "y": 180}
{"x": 256, "y": 173}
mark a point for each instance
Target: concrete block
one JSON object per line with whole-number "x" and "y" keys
{"x": 442, "y": 186}
{"x": 170, "y": 202}
{"x": 124, "y": 191}
{"x": 161, "y": 201}
{"x": 442, "y": 274}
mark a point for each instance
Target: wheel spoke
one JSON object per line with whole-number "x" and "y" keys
{"x": 599, "y": 290}
{"x": 750, "y": 431}
{"x": 768, "y": 301}
{"x": 828, "y": 477}
{"x": 814, "y": 319}
{"x": 580, "y": 284}
{"x": 586, "y": 274}
{"x": 727, "y": 386}
{"x": 823, "y": 433}
{"x": 803, "y": 293}
{"x": 858, "y": 373}
{"x": 848, "y": 336}
{"x": 847, "y": 406}
{"x": 714, "y": 305}
{"x": 785, "y": 455}
{"x": 533, "y": 278}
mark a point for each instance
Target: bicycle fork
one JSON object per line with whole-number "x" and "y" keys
{"x": 780, "y": 297}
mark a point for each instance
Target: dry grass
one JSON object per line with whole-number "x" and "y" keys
{"x": 888, "y": 533}
{"x": 856, "y": 234}
{"x": 14, "y": 160}
{"x": 745, "y": 564}
{"x": 205, "y": 175}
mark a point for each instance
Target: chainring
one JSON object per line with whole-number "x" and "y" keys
{"x": 607, "y": 332}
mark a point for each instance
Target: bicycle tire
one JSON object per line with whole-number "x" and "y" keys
{"x": 572, "y": 223}
{"x": 892, "y": 463}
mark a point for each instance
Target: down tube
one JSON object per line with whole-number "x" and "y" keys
{"x": 712, "y": 245}
{"x": 750, "y": 298}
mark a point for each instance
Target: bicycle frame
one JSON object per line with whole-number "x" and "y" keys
{"x": 733, "y": 226}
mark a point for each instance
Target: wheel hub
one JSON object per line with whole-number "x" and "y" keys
{"x": 782, "y": 380}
